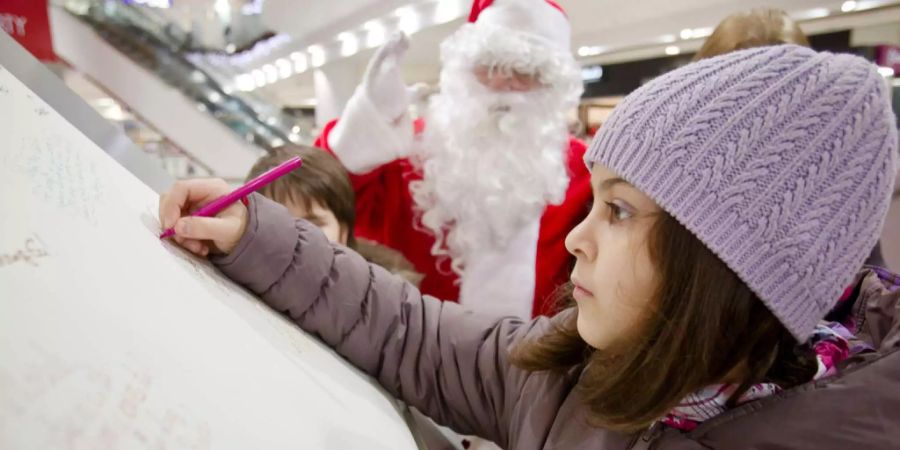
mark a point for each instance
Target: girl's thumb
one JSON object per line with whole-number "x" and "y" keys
{"x": 206, "y": 228}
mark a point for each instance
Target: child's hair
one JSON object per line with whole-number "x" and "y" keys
{"x": 320, "y": 179}
{"x": 324, "y": 180}
{"x": 755, "y": 28}
{"x": 705, "y": 326}
{"x": 389, "y": 259}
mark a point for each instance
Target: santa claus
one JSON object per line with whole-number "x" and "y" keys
{"x": 486, "y": 187}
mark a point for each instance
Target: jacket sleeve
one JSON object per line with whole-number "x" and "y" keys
{"x": 451, "y": 364}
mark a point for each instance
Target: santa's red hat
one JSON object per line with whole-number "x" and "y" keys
{"x": 542, "y": 19}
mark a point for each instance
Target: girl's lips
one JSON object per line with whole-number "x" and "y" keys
{"x": 581, "y": 292}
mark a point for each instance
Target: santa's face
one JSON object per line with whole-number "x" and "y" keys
{"x": 493, "y": 152}
{"x": 500, "y": 81}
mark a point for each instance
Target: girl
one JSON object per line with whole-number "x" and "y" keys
{"x": 717, "y": 299}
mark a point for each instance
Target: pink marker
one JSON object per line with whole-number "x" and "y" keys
{"x": 217, "y": 205}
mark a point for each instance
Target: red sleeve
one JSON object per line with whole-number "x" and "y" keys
{"x": 385, "y": 214}
{"x": 554, "y": 263}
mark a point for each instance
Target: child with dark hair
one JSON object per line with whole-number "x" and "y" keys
{"x": 320, "y": 192}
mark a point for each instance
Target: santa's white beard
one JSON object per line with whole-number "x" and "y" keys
{"x": 491, "y": 162}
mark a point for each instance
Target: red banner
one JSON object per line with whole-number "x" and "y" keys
{"x": 888, "y": 56}
{"x": 27, "y": 21}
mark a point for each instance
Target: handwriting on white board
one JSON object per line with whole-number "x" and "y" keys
{"x": 29, "y": 253}
{"x": 109, "y": 406}
{"x": 59, "y": 175}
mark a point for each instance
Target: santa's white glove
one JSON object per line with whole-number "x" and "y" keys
{"x": 375, "y": 127}
{"x": 383, "y": 82}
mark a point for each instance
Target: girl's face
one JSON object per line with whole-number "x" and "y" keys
{"x": 614, "y": 276}
{"x": 321, "y": 217}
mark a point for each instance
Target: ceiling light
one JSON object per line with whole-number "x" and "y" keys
{"x": 447, "y": 10}
{"x": 271, "y": 73}
{"x": 316, "y": 55}
{"x": 374, "y": 33}
{"x": 300, "y": 62}
{"x": 701, "y": 32}
{"x": 814, "y": 13}
{"x": 259, "y": 77}
{"x": 284, "y": 68}
{"x": 591, "y": 73}
{"x": 590, "y": 50}
{"x": 409, "y": 20}
{"x": 349, "y": 43}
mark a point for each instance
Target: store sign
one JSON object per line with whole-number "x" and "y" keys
{"x": 28, "y": 23}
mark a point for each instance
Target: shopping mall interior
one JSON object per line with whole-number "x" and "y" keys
{"x": 191, "y": 90}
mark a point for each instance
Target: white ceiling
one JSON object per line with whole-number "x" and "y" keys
{"x": 617, "y": 25}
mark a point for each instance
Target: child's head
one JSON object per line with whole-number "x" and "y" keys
{"x": 319, "y": 191}
{"x": 754, "y": 28}
{"x": 734, "y": 200}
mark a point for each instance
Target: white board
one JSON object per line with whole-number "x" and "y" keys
{"x": 110, "y": 338}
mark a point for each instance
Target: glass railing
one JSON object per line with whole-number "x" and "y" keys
{"x": 161, "y": 47}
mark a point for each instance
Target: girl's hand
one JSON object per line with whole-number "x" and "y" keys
{"x": 202, "y": 235}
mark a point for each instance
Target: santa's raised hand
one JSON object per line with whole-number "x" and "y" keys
{"x": 375, "y": 127}
{"x": 383, "y": 81}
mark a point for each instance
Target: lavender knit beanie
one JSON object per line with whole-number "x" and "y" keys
{"x": 781, "y": 160}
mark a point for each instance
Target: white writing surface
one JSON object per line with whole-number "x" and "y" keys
{"x": 112, "y": 339}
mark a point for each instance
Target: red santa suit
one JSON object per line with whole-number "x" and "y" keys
{"x": 385, "y": 213}
{"x": 520, "y": 277}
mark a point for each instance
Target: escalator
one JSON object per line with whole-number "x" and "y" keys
{"x": 142, "y": 62}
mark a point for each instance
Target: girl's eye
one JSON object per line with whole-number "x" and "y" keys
{"x": 617, "y": 213}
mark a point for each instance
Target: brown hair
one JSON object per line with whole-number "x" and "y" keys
{"x": 755, "y": 28}
{"x": 706, "y": 326}
{"x": 323, "y": 179}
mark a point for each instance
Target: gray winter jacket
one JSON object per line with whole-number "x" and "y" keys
{"x": 453, "y": 365}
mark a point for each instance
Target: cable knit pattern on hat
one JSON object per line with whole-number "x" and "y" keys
{"x": 779, "y": 159}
